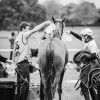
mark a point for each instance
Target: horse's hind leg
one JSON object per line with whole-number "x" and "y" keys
{"x": 41, "y": 91}
{"x": 54, "y": 85}
{"x": 60, "y": 84}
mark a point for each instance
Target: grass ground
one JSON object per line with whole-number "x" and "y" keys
{"x": 69, "y": 92}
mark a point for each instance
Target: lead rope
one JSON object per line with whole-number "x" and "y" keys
{"x": 25, "y": 81}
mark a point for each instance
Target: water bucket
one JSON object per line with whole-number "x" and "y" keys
{"x": 7, "y": 90}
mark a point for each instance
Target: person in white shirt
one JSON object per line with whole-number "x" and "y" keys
{"x": 21, "y": 56}
{"x": 87, "y": 37}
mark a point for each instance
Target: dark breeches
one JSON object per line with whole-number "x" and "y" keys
{"x": 23, "y": 80}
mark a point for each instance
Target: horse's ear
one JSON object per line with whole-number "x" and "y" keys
{"x": 53, "y": 19}
{"x": 63, "y": 20}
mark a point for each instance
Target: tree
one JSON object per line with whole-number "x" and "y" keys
{"x": 53, "y": 9}
{"x": 83, "y": 14}
{"x": 98, "y": 20}
{"x": 12, "y": 12}
{"x": 87, "y": 13}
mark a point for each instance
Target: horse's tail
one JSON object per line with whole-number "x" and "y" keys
{"x": 50, "y": 67}
{"x": 49, "y": 58}
{"x": 49, "y": 54}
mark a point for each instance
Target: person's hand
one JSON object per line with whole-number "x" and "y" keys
{"x": 9, "y": 61}
{"x": 67, "y": 32}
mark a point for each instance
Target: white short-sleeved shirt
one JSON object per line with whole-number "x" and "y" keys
{"x": 91, "y": 46}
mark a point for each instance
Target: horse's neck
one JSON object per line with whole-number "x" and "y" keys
{"x": 57, "y": 37}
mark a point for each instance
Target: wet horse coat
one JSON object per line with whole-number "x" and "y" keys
{"x": 53, "y": 56}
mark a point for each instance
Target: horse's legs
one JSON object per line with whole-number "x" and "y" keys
{"x": 60, "y": 84}
{"x": 85, "y": 91}
{"x": 98, "y": 90}
{"x": 93, "y": 93}
{"x": 53, "y": 86}
{"x": 41, "y": 91}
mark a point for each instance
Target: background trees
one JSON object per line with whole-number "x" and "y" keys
{"x": 83, "y": 14}
{"x": 12, "y": 12}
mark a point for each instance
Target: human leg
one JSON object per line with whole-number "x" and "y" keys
{"x": 23, "y": 80}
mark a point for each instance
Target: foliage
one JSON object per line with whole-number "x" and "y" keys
{"x": 13, "y": 12}
{"x": 83, "y": 14}
{"x": 52, "y": 8}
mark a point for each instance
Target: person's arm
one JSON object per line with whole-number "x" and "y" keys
{"x": 3, "y": 59}
{"x": 37, "y": 28}
{"x": 76, "y": 35}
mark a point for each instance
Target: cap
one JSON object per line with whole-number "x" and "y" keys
{"x": 87, "y": 31}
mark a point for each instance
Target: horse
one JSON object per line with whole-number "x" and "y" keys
{"x": 52, "y": 58}
{"x": 89, "y": 75}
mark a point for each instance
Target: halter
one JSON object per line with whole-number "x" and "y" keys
{"x": 59, "y": 27}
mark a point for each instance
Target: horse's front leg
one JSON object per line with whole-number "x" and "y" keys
{"x": 98, "y": 90}
{"x": 85, "y": 91}
{"x": 93, "y": 93}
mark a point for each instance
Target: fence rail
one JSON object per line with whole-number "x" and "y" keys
{"x": 7, "y": 50}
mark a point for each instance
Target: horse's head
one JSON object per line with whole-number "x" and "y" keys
{"x": 60, "y": 26}
{"x": 80, "y": 57}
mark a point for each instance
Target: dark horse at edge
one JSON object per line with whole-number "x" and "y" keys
{"x": 89, "y": 75}
{"x": 52, "y": 57}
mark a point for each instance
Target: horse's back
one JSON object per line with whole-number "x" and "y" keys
{"x": 60, "y": 52}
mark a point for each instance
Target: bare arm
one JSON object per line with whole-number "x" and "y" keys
{"x": 37, "y": 28}
{"x": 3, "y": 59}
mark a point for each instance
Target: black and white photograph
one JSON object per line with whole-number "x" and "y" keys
{"x": 49, "y": 50}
